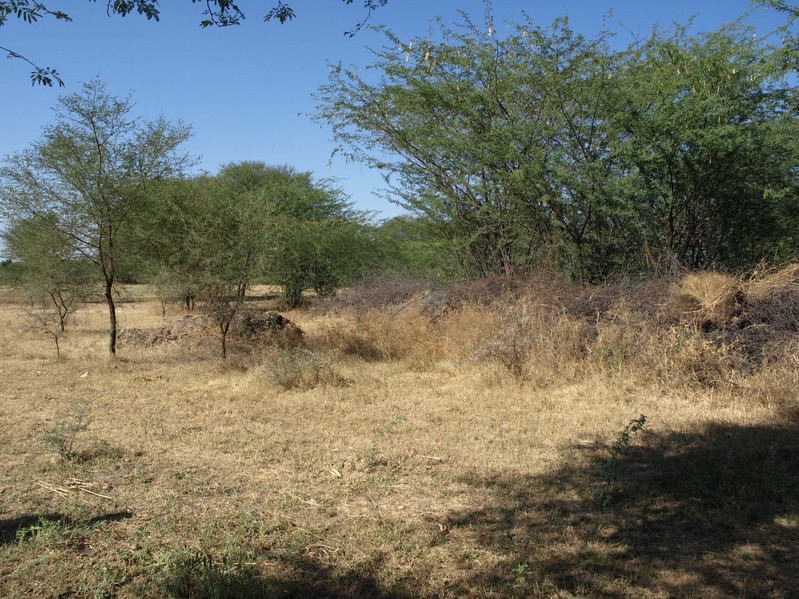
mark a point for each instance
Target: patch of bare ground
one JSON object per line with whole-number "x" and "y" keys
{"x": 445, "y": 447}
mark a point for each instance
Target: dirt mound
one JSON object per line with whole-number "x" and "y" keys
{"x": 187, "y": 327}
{"x": 248, "y": 325}
{"x": 259, "y": 323}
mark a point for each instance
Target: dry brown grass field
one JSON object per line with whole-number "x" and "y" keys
{"x": 477, "y": 441}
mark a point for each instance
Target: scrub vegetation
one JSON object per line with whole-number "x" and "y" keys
{"x": 571, "y": 370}
{"x": 494, "y": 438}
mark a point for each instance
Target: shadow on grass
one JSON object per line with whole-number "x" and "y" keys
{"x": 11, "y": 527}
{"x": 201, "y": 577}
{"x": 715, "y": 513}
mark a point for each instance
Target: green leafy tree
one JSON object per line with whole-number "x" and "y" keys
{"x": 317, "y": 240}
{"x": 792, "y": 10}
{"x": 548, "y": 149}
{"x": 500, "y": 142}
{"x": 320, "y": 254}
{"x": 251, "y": 222}
{"x": 201, "y": 238}
{"x": 87, "y": 172}
{"x": 411, "y": 245}
{"x": 707, "y": 134}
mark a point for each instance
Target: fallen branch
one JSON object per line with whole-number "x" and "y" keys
{"x": 72, "y": 486}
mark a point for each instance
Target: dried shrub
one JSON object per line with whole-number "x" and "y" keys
{"x": 379, "y": 335}
{"x": 61, "y": 435}
{"x": 377, "y": 294}
{"x": 694, "y": 359}
{"x": 710, "y": 300}
{"x": 534, "y": 342}
{"x": 301, "y": 369}
{"x": 511, "y": 345}
{"x": 772, "y": 299}
{"x": 495, "y": 291}
{"x": 707, "y": 329}
{"x": 646, "y": 300}
{"x": 619, "y": 338}
{"x": 767, "y": 321}
{"x": 777, "y": 383}
{"x": 267, "y": 325}
{"x": 591, "y": 302}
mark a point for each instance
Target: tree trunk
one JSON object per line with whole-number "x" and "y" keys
{"x": 223, "y": 329}
{"x": 112, "y": 315}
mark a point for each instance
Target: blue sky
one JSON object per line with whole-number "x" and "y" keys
{"x": 247, "y": 90}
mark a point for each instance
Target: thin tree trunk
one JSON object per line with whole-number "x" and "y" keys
{"x": 112, "y": 315}
{"x": 224, "y": 329}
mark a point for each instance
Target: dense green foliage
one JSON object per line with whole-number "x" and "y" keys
{"x": 249, "y": 223}
{"x": 549, "y": 149}
{"x": 54, "y": 280}
{"x": 412, "y": 246}
{"x": 53, "y": 273}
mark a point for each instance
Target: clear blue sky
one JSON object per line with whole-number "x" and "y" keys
{"x": 247, "y": 90}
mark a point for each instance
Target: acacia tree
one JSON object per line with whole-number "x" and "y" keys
{"x": 217, "y": 235}
{"x": 316, "y": 239}
{"x": 201, "y": 237}
{"x": 500, "y": 141}
{"x": 707, "y": 133}
{"x": 409, "y": 245}
{"x": 547, "y": 148}
{"x": 229, "y": 232}
{"x": 87, "y": 172}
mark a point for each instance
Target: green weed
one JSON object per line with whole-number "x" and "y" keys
{"x": 607, "y": 469}
{"x": 62, "y": 434}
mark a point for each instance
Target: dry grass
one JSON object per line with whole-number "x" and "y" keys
{"x": 421, "y": 453}
{"x": 709, "y": 299}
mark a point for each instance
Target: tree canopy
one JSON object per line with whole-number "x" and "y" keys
{"x": 545, "y": 148}
{"x": 250, "y": 223}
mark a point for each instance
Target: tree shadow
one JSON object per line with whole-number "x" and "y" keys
{"x": 10, "y": 527}
{"x": 712, "y": 513}
{"x": 200, "y": 577}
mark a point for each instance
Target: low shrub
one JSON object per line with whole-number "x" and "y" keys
{"x": 62, "y": 434}
{"x": 299, "y": 368}
{"x": 379, "y": 335}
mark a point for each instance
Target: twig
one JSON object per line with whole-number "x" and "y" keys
{"x": 95, "y": 494}
{"x": 433, "y": 458}
{"x": 62, "y": 492}
{"x": 72, "y": 486}
{"x": 310, "y": 501}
